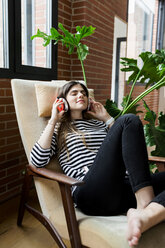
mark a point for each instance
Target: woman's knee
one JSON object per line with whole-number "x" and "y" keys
{"x": 130, "y": 117}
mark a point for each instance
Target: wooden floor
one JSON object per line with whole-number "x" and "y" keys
{"x": 31, "y": 235}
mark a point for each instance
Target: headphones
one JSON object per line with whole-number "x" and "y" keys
{"x": 89, "y": 104}
{"x": 64, "y": 104}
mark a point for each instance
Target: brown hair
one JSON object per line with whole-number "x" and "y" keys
{"x": 66, "y": 124}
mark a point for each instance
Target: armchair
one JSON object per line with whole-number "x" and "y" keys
{"x": 53, "y": 189}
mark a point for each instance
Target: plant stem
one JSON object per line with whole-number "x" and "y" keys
{"x": 83, "y": 70}
{"x": 82, "y": 65}
{"x": 133, "y": 85}
{"x": 159, "y": 84}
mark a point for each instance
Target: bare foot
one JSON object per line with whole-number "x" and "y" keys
{"x": 134, "y": 230}
{"x": 140, "y": 220}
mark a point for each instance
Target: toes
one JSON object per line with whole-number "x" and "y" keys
{"x": 133, "y": 241}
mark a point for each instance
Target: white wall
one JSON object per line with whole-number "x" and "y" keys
{"x": 120, "y": 30}
{"x": 162, "y": 99}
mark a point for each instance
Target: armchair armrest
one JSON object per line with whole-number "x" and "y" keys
{"x": 156, "y": 159}
{"x": 159, "y": 161}
{"x": 65, "y": 183}
{"x": 52, "y": 175}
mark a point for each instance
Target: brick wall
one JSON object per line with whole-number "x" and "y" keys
{"x": 98, "y": 65}
{"x": 12, "y": 156}
{"x": 98, "y": 68}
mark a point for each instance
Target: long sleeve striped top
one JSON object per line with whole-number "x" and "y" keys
{"x": 77, "y": 159}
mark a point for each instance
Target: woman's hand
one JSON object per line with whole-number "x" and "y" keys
{"x": 56, "y": 114}
{"x": 98, "y": 111}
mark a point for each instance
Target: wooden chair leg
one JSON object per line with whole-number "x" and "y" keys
{"x": 72, "y": 224}
{"x": 49, "y": 226}
{"x": 43, "y": 219}
{"x": 24, "y": 197}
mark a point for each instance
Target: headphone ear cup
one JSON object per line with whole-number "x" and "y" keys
{"x": 66, "y": 107}
{"x": 89, "y": 104}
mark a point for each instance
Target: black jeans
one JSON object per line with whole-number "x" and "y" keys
{"x": 107, "y": 191}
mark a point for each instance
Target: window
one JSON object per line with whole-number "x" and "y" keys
{"x": 161, "y": 45}
{"x": 161, "y": 25}
{"x": 119, "y": 50}
{"x": 140, "y": 27}
{"x": 4, "y": 39}
{"x": 120, "y": 76}
{"x": 34, "y": 15}
{"x": 20, "y": 56}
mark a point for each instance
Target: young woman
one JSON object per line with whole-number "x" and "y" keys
{"x": 110, "y": 158}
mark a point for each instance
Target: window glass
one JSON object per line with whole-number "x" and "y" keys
{"x": 140, "y": 26}
{"x": 161, "y": 25}
{"x": 164, "y": 32}
{"x": 35, "y": 14}
{"x": 4, "y": 41}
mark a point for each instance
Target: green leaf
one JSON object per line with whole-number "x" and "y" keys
{"x": 69, "y": 40}
{"x": 161, "y": 70}
{"x": 69, "y": 37}
{"x": 149, "y": 137}
{"x": 161, "y": 119}
{"x": 112, "y": 108}
{"x": 152, "y": 70}
{"x": 44, "y": 36}
{"x": 150, "y": 115}
{"x": 83, "y": 51}
{"x": 153, "y": 168}
{"x": 159, "y": 137}
{"x": 155, "y": 135}
{"x": 55, "y": 34}
{"x": 128, "y": 61}
{"x": 71, "y": 49}
{"x": 149, "y": 129}
{"x": 151, "y": 67}
{"x": 130, "y": 65}
{"x": 84, "y": 32}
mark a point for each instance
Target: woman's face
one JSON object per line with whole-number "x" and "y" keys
{"x": 77, "y": 98}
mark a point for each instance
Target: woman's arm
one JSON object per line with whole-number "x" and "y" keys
{"x": 46, "y": 146}
{"x": 45, "y": 139}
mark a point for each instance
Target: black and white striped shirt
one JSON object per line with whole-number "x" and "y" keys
{"x": 79, "y": 155}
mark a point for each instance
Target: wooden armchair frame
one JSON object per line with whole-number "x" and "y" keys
{"x": 65, "y": 184}
{"x": 159, "y": 161}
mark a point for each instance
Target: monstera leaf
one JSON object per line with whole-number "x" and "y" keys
{"x": 112, "y": 108}
{"x": 152, "y": 73}
{"x": 115, "y": 112}
{"x": 152, "y": 70}
{"x": 155, "y": 134}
